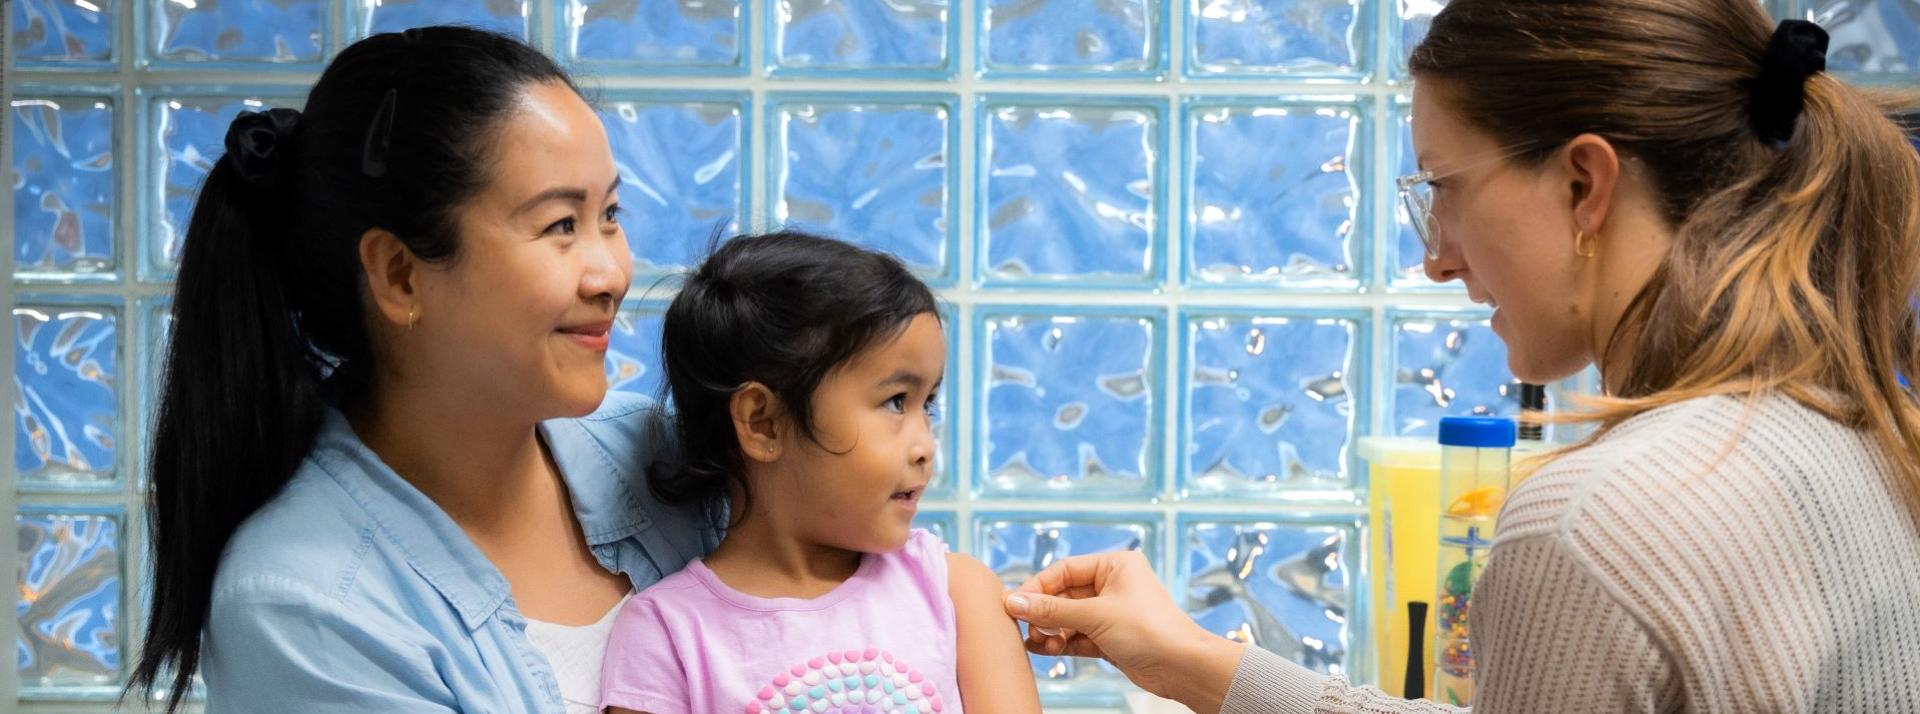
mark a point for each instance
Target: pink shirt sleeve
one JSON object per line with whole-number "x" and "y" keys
{"x": 926, "y": 557}
{"x": 644, "y": 669}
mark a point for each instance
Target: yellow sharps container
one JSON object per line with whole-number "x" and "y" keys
{"x": 1403, "y": 476}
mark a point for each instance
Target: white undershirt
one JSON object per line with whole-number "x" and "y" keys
{"x": 574, "y": 653}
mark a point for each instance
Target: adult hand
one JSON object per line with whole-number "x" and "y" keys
{"x": 1111, "y": 606}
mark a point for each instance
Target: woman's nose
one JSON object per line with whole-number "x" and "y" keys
{"x": 604, "y": 275}
{"x": 1446, "y": 267}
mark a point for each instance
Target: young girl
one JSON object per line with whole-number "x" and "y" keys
{"x": 804, "y": 372}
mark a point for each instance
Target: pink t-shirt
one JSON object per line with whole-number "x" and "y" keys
{"x": 882, "y": 642}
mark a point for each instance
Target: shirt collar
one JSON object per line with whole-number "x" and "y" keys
{"x": 436, "y": 547}
{"x": 603, "y": 489}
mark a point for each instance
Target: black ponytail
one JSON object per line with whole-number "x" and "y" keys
{"x": 238, "y": 410}
{"x": 269, "y": 328}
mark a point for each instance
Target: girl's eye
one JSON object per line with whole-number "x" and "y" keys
{"x": 933, "y": 405}
{"x": 563, "y": 226}
{"x": 613, "y": 213}
{"x": 897, "y": 404}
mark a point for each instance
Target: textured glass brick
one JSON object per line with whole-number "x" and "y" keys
{"x": 1072, "y": 192}
{"x": 899, "y": 36}
{"x": 239, "y": 31}
{"x": 682, "y": 164}
{"x": 1284, "y": 586}
{"x": 64, "y": 186}
{"x": 77, "y": 33}
{"x": 1446, "y": 364}
{"x": 705, "y": 36}
{"x": 1115, "y": 37}
{"x": 1276, "y": 37}
{"x": 69, "y": 598}
{"x": 874, "y": 173}
{"x": 66, "y": 368}
{"x": 1274, "y": 195}
{"x": 1270, "y": 402}
{"x": 1070, "y": 403}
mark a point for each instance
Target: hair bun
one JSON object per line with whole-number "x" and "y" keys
{"x": 1797, "y": 51}
{"x": 257, "y": 141}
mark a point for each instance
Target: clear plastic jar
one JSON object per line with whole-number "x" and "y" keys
{"x": 1476, "y": 464}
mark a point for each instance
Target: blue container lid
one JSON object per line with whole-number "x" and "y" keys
{"x": 1478, "y": 432}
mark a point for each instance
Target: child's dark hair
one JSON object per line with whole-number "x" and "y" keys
{"x": 781, "y": 309}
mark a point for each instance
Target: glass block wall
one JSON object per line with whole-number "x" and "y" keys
{"x": 1176, "y": 283}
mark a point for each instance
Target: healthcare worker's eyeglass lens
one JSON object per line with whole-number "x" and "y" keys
{"x": 1416, "y": 193}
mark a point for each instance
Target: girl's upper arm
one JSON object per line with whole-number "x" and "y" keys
{"x": 994, "y": 674}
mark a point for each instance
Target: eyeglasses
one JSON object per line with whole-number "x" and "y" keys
{"x": 1416, "y": 192}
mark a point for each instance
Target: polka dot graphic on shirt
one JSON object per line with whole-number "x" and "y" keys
{"x": 849, "y": 682}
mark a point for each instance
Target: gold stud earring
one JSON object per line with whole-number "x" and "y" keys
{"x": 1585, "y": 245}
{"x": 410, "y": 319}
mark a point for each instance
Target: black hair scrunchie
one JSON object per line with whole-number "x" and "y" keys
{"x": 1797, "y": 51}
{"x": 256, "y": 143}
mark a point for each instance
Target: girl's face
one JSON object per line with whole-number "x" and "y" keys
{"x": 858, "y": 488}
{"x": 520, "y": 318}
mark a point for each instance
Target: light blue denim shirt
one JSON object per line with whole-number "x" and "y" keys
{"x": 352, "y": 592}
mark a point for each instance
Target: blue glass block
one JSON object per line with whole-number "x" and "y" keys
{"x": 1284, "y": 586}
{"x": 156, "y": 331}
{"x": 1071, "y": 403}
{"x": 69, "y": 604}
{"x": 66, "y": 368}
{"x": 1405, "y": 254}
{"x": 944, "y": 525}
{"x": 509, "y": 17}
{"x": 63, "y": 187}
{"x": 62, "y": 32}
{"x": 1409, "y": 20}
{"x": 1072, "y": 194}
{"x": 1018, "y": 545}
{"x": 1275, "y": 196}
{"x": 1085, "y": 37}
{"x": 1267, "y": 37}
{"x": 946, "y": 408}
{"x": 1271, "y": 402}
{"x": 862, "y": 36}
{"x": 184, "y": 136}
{"x": 682, "y": 163}
{"x": 705, "y": 36}
{"x": 633, "y": 351}
{"x": 1871, "y": 36}
{"x": 1448, "y": 364}
{"x": 869, "y": 172}
{"x": 239, "y": 31}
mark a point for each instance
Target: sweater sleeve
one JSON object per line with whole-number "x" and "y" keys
{"x": 1548, "y": 636}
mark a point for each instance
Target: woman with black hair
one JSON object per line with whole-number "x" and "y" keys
{"x": 387, "y": 474}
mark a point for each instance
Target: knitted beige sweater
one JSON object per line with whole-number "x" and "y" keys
{"x": 1714, "y": 556}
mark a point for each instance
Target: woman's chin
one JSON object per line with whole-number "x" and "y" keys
{"x": 581, "y": 397}
{"x": 1543, "y": 371}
